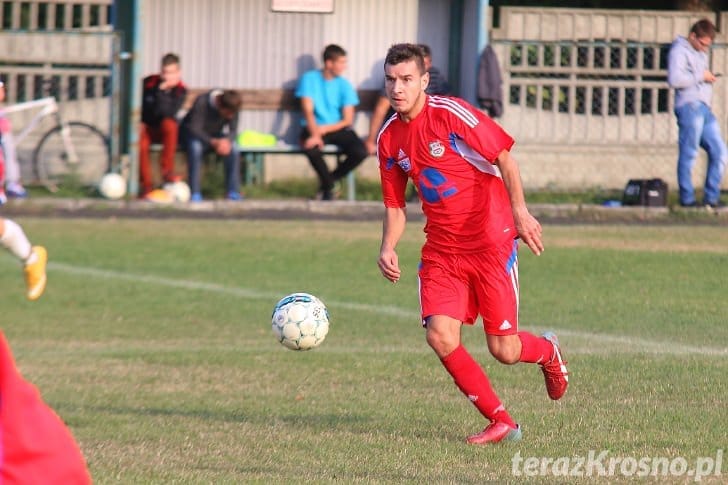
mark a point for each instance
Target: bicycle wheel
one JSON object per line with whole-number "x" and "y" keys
{"x": 81, "y": 161}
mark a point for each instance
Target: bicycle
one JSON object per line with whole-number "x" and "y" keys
{"x": 71, "y": 153}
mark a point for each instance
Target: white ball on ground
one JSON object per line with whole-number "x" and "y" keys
{"x": 179, "y": 191}
{"x": 112, "y": 186}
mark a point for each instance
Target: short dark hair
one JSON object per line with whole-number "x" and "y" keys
{"x": 231, "y": 99}
{"x": 426, "y": 51}
{"x": 169, "y": 59}
{"x": 703, "y": 28}
{"x": 333, "y": 52}
{"x": 399, "y": 53}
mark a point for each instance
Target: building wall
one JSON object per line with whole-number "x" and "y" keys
{"x": 243, "y": 44}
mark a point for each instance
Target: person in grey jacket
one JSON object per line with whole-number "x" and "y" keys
{"x": 211, "y": 125}
{"x": 689, "y": 73}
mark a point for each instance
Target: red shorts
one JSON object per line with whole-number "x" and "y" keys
{"x": 463, "y": 286}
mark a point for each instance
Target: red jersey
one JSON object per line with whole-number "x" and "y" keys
{"x": 448, "y": 151}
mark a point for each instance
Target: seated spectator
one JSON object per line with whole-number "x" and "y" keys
{"x": 10, "y": 185}
{"x": 327, "y": 103}
{"x": 162, "y": 98}
{"x": 211, "y": 126}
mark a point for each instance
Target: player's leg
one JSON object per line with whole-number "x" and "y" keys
{"x": 13, "y": 187}
{"x": 195, "y": 150}
{"x": 34, "y": 258}
{"x": 497, "y": 287}
{"x": 443, "y": 335}
{"x": 3, "y": 197}
{"x": 712, "y": 141}
{"x": 446, "y": 303}
{"x": 353, "y": 148}
{"x": 232, "y": 175}
{"x": 146, "y": 137}
{"x": 316, "y": 159}
{"x": 690, "y": 126}
{"x": 168, "y": 134}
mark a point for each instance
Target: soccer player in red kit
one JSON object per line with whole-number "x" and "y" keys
{"x": 472, "y": 198}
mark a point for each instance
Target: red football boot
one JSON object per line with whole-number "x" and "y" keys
{"x": 554, "y": 371}
{"x": 495, "y": 432}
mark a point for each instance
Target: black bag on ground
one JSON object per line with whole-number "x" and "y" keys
{"x": 645, "y": 192}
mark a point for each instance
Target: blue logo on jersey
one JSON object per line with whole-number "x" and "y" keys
{"x": 390, "y": 162}
{"x": 434, "y": 186}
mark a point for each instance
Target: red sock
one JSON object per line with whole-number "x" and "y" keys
{"x": 536, "y": 350}
{"x": 472, "y": 381}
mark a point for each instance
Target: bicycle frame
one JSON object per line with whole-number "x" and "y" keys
{"x": 48, "y": 106}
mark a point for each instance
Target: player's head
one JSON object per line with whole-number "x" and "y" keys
{"x": 702, "y": 34}
{"x": 229, "y": 103}
{"x": 170, "y": 71}
{"x": 405, "y": 79}
{"x": 334, "y": 58}
{"x": 427, "y": 55}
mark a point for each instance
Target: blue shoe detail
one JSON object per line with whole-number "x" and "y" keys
{"x": 234, "y": 196}
{"x": 196, "y": 197}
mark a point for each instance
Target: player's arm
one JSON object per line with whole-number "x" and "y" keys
{"x": 395, "y": 219}
{"x": 375, "y": 124}
{"x": 681, "y": 75}
{"x": 315, "y": 137}
{"x": 347, "y": 120}
{"x": 196, "y": 119}
{"x": 529, "y": 229}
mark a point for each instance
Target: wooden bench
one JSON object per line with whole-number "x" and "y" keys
{"x": 253, "y": 160}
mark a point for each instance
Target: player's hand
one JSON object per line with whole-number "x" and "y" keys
{"x": 313, "y": 141}
{"x": 388, "y": 263}
{"x": 709, "y": 77}
{"x": 529, "y": 230}
{"x": 371, "y": 146}
{"x": 222, "y": 146}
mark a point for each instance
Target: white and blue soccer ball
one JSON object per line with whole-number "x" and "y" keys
{"x": 300, "y": 321}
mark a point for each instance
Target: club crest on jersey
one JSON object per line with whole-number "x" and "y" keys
{"x": 437, "y": 149}
{"x": 403, "y": 161}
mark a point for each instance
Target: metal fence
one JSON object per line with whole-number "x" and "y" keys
{"x": 603, "y": 109}
{"x": 574, "y": 92}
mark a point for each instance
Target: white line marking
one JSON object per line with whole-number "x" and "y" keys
{"x": 621, "y": 344}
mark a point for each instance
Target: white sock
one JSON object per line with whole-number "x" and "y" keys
{"x": 15, "y": 240}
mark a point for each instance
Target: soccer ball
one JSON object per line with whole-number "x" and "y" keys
{"x": 179, "y": 191}
{"x": 300, "y": 321}
{"x": 112, "y": 186}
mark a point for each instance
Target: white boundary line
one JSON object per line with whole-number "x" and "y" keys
{"x": 621, "y": 343}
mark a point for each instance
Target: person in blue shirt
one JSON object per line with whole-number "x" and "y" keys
{"x": 328, "y": 101}
{"x": 689, "y": 73}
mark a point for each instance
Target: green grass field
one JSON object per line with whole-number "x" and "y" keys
{"x": 153, "y": 343}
